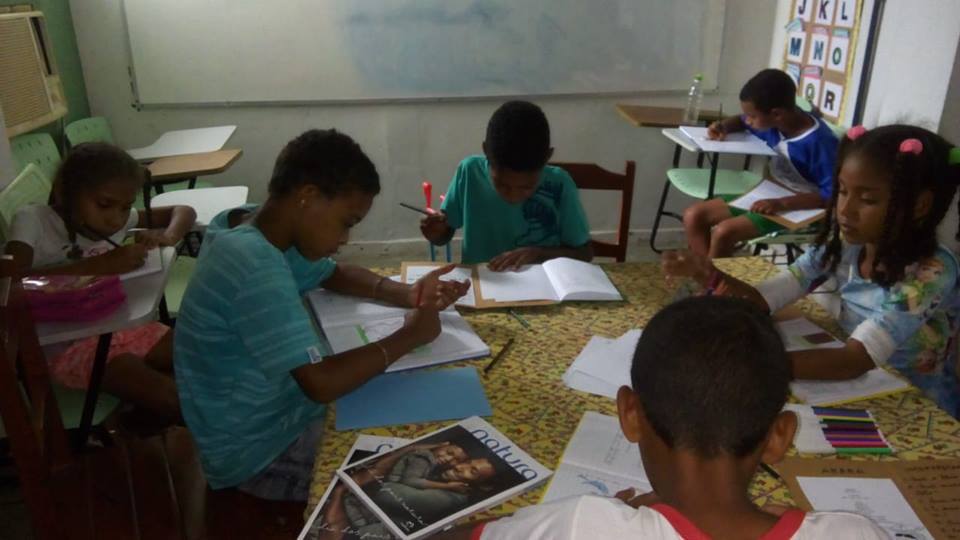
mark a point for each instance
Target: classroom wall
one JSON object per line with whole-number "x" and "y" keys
{"x": 61, "y": 32}
{"x": 410, "y": 142}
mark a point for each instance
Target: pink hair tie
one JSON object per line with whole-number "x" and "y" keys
{"x": 911, "y": 146}
{"x": 855, "y": 132}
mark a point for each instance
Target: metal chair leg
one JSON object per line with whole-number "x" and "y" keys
{"x": 659, "y": 216}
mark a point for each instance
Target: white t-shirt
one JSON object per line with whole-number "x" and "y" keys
{"x": 597, "y": 518}
{"x": 42, "y": 229}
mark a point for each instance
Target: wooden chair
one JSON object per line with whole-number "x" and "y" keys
{"x": 149, "y": 488}
{"x": 592, "y": 176}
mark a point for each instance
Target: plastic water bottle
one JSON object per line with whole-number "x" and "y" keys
{"x": 691, "y": 114}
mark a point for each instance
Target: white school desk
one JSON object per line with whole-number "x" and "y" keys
{"x": 143, "y": 300}
{"x": 683, "y": 142}
{"x": 207, "y": 202}
{"x": 185, "y": 141}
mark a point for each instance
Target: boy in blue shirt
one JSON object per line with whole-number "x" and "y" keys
{"x": 252, "y": 374}
{"x": 514, "y": 208}
{"x": 805, "y": 161}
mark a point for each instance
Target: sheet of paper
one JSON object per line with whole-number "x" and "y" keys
{"x": 872, "y": 383}
{"x": 877, "y": 498}
{"x": 770, "y": 190}
{"x": 603, "y": 366}
{"x": 801, "y": 334}
{"x": 152, "y": 265}
{"x": 809, "y": 437}
{"x": 570, "y": 481}
{"x": 578, "y": 280}
{"x": 338, "y": 309}
{"x": 528, "y": 283}
{"x": 741, "y": 142}
{"x": 457, "y": 274}
{"x": 414, "y": 397}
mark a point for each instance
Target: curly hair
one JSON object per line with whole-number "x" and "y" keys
{"x": 906, "y": 238}
{"x": 326, "y": 158}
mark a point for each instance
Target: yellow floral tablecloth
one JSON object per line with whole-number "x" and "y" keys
{"x": 537, "y": 411}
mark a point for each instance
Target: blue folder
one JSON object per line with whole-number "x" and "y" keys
{"x": 413, "y": 397}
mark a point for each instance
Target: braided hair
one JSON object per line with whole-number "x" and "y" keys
{"x": 85, "y": 167}
{"x": 905, "y": 239}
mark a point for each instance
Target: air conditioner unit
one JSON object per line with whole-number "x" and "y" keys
{"x": 31, "y": 94}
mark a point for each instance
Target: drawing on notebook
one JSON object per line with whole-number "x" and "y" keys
{"x": 598, "y": 460}
{"x": 377, "y": 330}
{"x": 877, "y": 498}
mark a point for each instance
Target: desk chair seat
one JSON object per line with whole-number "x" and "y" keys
{"x": 31, "y": 186}
{"x": 695, "y": 182}
{"x": 36, "y": 148}
{"x": 792, "y": 240}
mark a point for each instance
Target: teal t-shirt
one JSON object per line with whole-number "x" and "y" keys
{"x": 552, "y": 217}
{"x": 241, "y": 329}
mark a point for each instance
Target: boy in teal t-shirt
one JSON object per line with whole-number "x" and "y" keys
{"x": 514, "y": 208}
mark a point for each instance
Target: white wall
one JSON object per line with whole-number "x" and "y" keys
{"x": 410, "y": 142}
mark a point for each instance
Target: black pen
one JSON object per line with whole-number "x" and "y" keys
{"x": 416, "y": 209}
{"x": 498, "y": 356}
{"x": 770, "y": 470}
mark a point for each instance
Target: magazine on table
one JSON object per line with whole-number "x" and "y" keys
{"x": 423, "y": 487}
{"x": 331, "y": 518}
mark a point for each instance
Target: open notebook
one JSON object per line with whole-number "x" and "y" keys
{"x": 768, "y": 189}
{"x": 598, "y": 460}
{"x": 554, "y": 281}
{"x": 349, "y": 322}
{"x": 801, "y": 334}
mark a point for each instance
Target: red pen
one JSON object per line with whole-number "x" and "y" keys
{"x": 428, "y": 194}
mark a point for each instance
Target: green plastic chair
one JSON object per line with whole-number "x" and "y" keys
{"x": 180, "y": 275}
{"x": 93, "y": 129}
{"x": 36, "y": 148}
{"x": 694, "y": 182}
{"x": 31, "y": 186}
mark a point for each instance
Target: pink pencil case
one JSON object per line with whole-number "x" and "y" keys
{"x": 73, "y": 298}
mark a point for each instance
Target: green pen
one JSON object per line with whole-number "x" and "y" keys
{"x": 850, "y": 451}
{"x": 520, "y": 319}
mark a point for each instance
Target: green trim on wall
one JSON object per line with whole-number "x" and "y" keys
{"x": 64, "y": 41}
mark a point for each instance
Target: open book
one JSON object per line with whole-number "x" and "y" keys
{"x": 554, "y": 281}
{"x": 598, "y": 461}
{"x": 420, "y": 488}
{"x": 739, "y": 142}
{"x": 331, "y": 517}
{"x": 769, "y": 189}
{"x": 349, "y": 322}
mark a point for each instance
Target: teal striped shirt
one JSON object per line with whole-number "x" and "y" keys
{"x": 241, "y": 329}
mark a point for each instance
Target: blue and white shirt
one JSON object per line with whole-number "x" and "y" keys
{"x": 805, "y": 162}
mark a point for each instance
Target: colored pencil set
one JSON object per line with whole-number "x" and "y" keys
{"x": 851, "y": 431}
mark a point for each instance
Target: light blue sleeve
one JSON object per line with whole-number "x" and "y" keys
{"x": 574, "y": 229}
{"x": 309, "y": 274}
{"x": 808, "y": 269}
{"x": 453, "y": 202}
{"x": 271, "y": 321}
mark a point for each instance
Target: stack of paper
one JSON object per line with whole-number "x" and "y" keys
{"x": 771, "y": 190}
{"x": 603, "y": 366}
{"x": 598, "y": 461}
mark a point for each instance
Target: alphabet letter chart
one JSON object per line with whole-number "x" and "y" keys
{"x": 819, "y": 52}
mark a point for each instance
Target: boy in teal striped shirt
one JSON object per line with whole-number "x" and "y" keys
{"x": 252, "y": 375}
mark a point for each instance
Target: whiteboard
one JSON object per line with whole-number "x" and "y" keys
{"x": 235, "y": 51}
